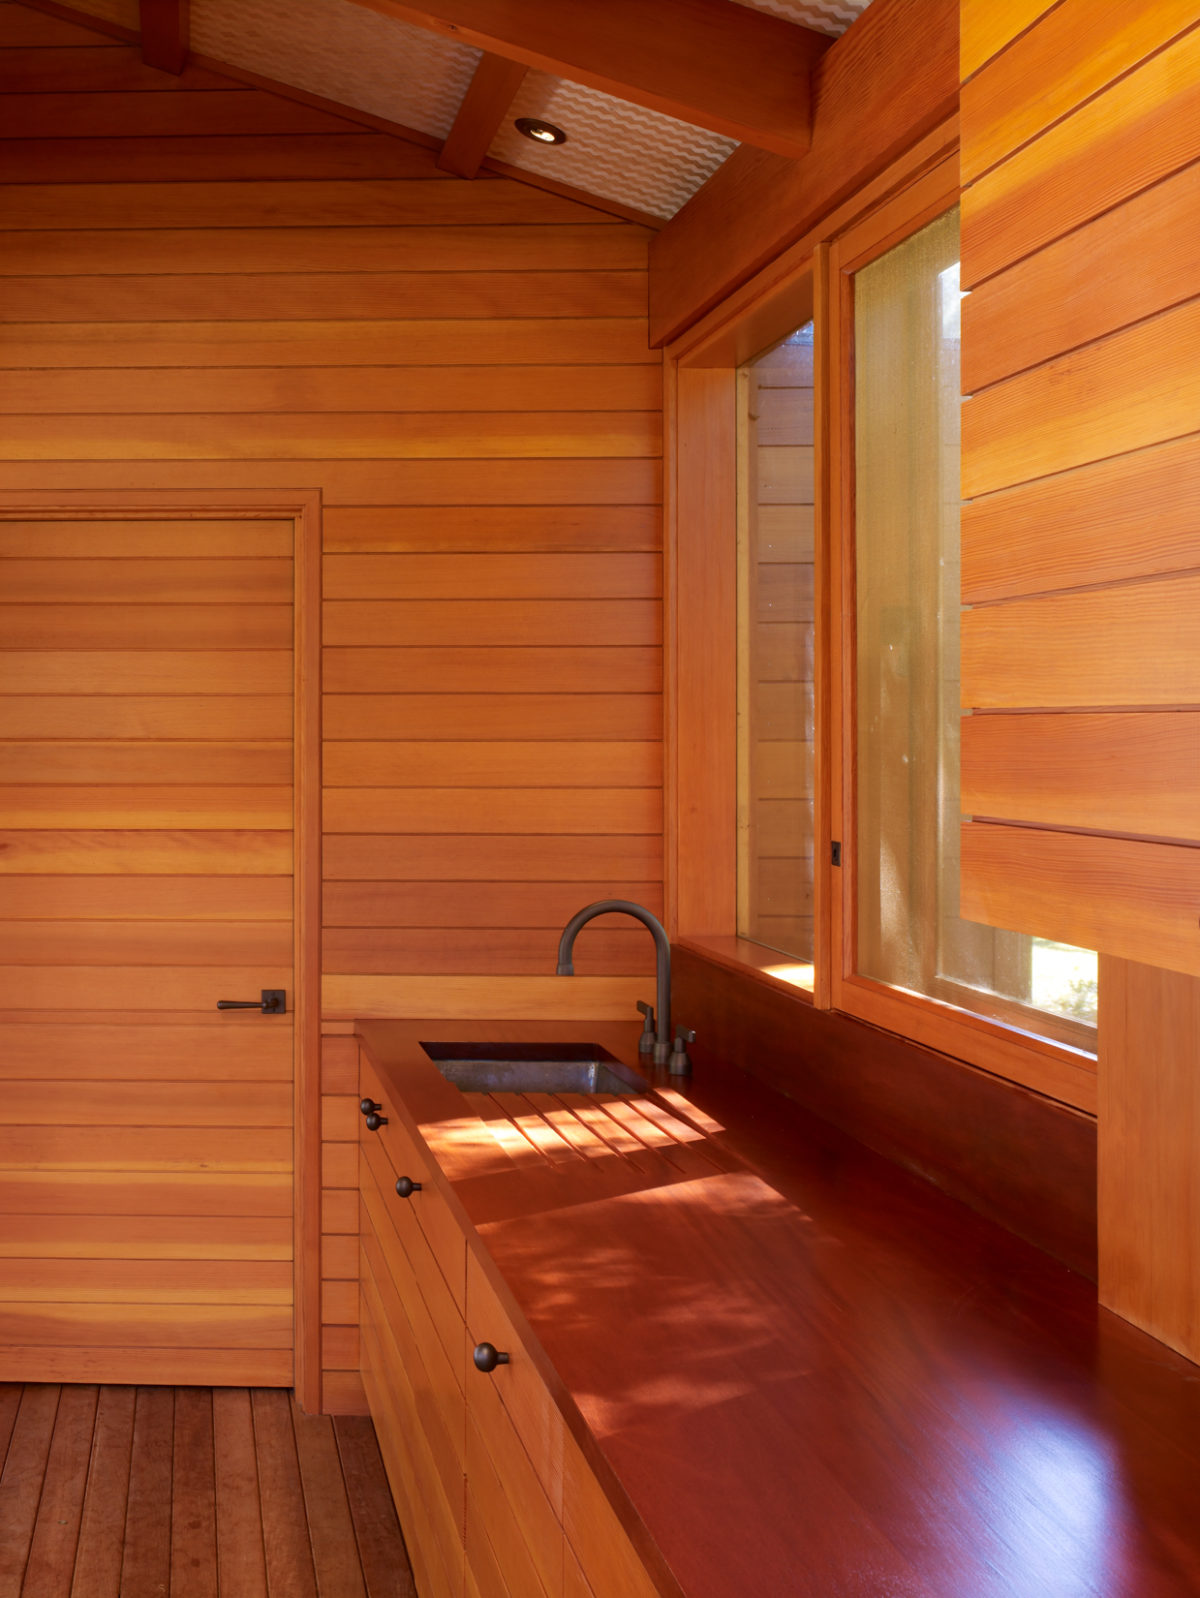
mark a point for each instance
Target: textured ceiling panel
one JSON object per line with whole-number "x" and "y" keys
{"x": 123, "y": 11}
{"x": 613, "y": 149}
{"x": 343, "y": 52}
{"x": 826, "y": 16}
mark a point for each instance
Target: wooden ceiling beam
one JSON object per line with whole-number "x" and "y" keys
{"x": 712, "y": 63}
{"x": 164, "y": 26}
{"x": 485, "y": 105}
{"x": 887, "y": 82}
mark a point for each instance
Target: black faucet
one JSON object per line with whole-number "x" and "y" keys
{"x": 662, "y": 1039}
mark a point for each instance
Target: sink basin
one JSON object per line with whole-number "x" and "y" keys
{"x": 533, "y": 1068}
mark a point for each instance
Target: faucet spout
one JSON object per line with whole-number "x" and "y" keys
{"x": 662, "y": 949}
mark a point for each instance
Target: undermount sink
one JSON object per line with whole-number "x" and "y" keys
{"x": 533, "y": 1068}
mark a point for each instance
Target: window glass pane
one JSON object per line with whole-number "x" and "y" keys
{"x": 775, "y": 647}
{"x": 907, "y": 412}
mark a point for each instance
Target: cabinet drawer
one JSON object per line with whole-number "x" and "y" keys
{"x": 509, "y": 1519}
{"x": 532, "y": 1411}
{"x": 608, "y": 1560}
{"x": 433, "y": 1383}
{"x": 442, "y": 1231}
{"x": 379, "y": 1188}
{"x": 431, "y": 1518}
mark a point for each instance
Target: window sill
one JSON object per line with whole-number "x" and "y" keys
{"x": 768, "y": 966}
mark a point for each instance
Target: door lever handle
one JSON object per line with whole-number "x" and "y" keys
{"x": 273, "y": 1002}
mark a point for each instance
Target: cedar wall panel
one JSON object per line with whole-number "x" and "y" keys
{"x": 1081, "y": 565}
{"x": 207, "y": 286}
{"x": 1081, "y": 532}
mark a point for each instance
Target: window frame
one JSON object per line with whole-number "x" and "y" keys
{"x": 811, "y": 279}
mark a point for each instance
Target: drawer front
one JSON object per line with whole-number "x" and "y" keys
{"x": 378, "y": 1178}
{"x": 416, "y": 1424}
{"x": 607, "y": 1558}
{"x": 530, "y": 1407}
{"x": 441, "y": 1228}
{"x": 510, "y": 1524}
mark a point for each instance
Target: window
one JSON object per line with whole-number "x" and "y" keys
{"x": 813, "y": 639}
{"x": 902, "y": 589}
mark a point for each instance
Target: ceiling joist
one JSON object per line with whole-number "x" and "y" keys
{"x": 711, "y": 63}
{"x": 485, "y": 105}
{"x": 164, "y": 28}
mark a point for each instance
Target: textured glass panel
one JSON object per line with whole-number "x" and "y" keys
{"x": 907, "y": 411}
{"x": 775, "y": 656}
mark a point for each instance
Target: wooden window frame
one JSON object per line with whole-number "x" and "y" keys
{"x": 303, "y": 509}
{"x": 811, "y": 279}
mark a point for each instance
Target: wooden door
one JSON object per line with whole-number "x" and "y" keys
{"x": 146, "y": 805}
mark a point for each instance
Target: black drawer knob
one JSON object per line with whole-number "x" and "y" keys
{"x": 374, "y": 1122}
{"x": 406, "y": 1187}
{"x": 487, "y": 1357}
{"x": 368, "y": 1106}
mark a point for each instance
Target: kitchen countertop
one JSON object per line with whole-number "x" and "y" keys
{"x": 812, "y": 1373}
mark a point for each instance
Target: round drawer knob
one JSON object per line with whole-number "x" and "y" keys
{"x": 487, "y": 1357}
{"x": 368, "y": 1106}
{"x": 406, "y": 1187}
{"x": 374, "y": 1122}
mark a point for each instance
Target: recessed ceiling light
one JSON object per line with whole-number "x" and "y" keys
{"x": 540, "y": 132}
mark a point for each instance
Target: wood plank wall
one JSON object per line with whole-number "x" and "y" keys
{"x": 776, "y": 768}
{"x": 212, "y": 287}
{"x": 1081, "y": 468}
{"x": 1081, "y": 559}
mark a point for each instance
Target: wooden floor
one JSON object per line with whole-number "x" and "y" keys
{"x": 188, "y": 1492}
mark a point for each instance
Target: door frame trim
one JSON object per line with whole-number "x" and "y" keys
{"x": 303, "y": 508}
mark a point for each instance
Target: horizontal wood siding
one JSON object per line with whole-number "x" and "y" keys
{"x": 1081, "y": 563}
{"x": 213, "y": 288}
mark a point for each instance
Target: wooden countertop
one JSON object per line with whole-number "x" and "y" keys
{"x": 811, "y": 1373}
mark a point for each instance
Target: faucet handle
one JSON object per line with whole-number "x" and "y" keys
{"x": 646, "y": 1041}
{"x": 679, "y": 1064}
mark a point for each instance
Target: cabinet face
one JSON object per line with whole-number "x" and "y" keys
{"x": 514, "y": 1454}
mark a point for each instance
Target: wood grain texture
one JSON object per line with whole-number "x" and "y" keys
{"x": 341, "y": 388}
{"x": 1130, "y": 263}
{"x": 1132, "y": 773}
{"x": 497, "y": 857}
{"x": 466, "y": 998}
{"x": 496, "y": 623}
{"x": 1132, "y": 644}
{"x": 986, "y": 29}
{"x": 1073, "y": 54}
{"x": 491, "y": 91}
{"x": 1123, "y": 896}
{"x": 1149, "y": 1205}
{"x": 220, "y": 288}
{"x": 604, "y": 717}
{"x": 1097, "y": 516}
{"x": 701, "y": 758}
{"x": 1125, "y": 392}
{"x": 905, "y": 56}
{"x": 303, "y": 203}
{"x": 590, "y": 243}
{"x": 1139, "y": 130}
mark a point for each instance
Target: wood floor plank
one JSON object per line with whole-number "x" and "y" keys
{"x": 290, "y": 1571}
{"x": 193, "y": 1497}
{"x": 241, "y": 1559}
{"x": 21, "y": 1482}
{"x": 385, "y": 1566}
{"x": 331, "y": 1527}
{"x": 102, "y": 1528}
{"x": 10, "y": 1403}
{"x": 146, "y": 1562}
{"x": 56, "y": 1530}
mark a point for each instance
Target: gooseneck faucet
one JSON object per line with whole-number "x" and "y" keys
{"x": 662, "y": 949}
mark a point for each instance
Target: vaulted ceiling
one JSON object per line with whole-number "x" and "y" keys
{"x": 652, "y": 94}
